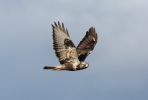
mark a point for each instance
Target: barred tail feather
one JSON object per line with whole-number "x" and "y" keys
{"x": 49, "y": 67}
{"x": 53, "y": 67}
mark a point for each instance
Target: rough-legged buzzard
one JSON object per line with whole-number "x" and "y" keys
{"x": 71, "y": 57}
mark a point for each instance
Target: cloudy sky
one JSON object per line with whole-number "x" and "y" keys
{"x": 118, "y": 65}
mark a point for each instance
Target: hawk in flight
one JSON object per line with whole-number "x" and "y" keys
{"x": 71, "y": 57}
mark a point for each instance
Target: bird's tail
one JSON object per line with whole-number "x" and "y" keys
{"x": 49, "y": 67}
{"x": 53, "y": 68}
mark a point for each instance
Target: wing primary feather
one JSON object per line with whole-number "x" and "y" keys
{"x": 56, "y": 24}
{"x": 52, "y": 26}
{"x": 63, "y": 28}
{"x": 59, "y": 25}
{"x": 67, "y": 32}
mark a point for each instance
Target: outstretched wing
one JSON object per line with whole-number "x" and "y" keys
{"x": 87, "y": 44}
{"x": 64, "y": 48}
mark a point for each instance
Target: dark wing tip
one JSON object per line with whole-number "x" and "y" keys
{"x": 92, "y": 33}
{"x": 55, "y": 24}
{"x": 60, "y": 27}
{"x": 52, "y": 26}
{"x": 67, "y": 32}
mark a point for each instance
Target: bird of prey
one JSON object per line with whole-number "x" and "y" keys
{"x": 71, "y": 57}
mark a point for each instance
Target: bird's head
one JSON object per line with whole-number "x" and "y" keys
{"x": 82, "y": 65}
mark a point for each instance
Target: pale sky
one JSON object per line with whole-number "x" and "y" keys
{"x": 118, "y": 66}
